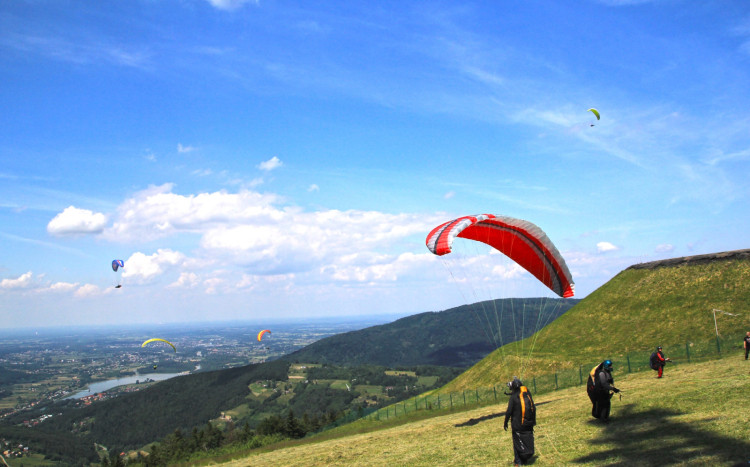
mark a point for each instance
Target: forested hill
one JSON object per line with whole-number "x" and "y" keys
{"x": 456, "y": 337}
{"x": 182, "y": 402}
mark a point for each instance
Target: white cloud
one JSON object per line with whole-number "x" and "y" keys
{"x": 664, "y": 248}
{"x": 603, "y": 247}
{"x": 74, "y": 221}
{"x": 157, "y": 212}
{"x": 88, "y": 290}
{"x": 63, "y": 286}
{"x": 143, "y": 268}
{"x": 449, "y": 195}
{"x": 270, "y": 164}
{"x": 313, "y": 187}
{"x": 183, "y": 149}
{"x": 22, "y": 282}
{"x": 186, "y": 280}
{"x": 230, "y": 5}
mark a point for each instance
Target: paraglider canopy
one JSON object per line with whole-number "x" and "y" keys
{"x": 520, "y": 240}
{"x": 595, "y": 112}
{"x": 156, "y": 339}
{"x": 117, "y": 264}
{"x": 260, "y": 334}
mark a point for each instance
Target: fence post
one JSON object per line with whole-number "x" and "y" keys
{"x": 464, "y": 397}
{"x": 555, "y": 381}
{"x": 718, "y": 346}
{"x": 687, "y": 351}
{"x": 534, "y": 381}
{"x": 580, "y": 374}
{"x": 451, "y": 396}
{"x": 494, "y": 392}
{"x": 438, "y": 401}
{"x": 628, "y": 357}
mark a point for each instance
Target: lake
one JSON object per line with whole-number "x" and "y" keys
{"x": 102, "y": 386}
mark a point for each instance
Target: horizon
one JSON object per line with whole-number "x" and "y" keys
{"x": 289, "y": 161}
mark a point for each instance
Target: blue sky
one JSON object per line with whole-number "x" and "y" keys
{"x": 270, "y": 159}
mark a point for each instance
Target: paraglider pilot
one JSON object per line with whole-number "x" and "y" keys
{"x": 522, "y": 415}
{"x": 658, "y": 360}
{"x": 600, "y": 390}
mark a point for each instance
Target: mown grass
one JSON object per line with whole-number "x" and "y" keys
{"x": 695, "y": 415}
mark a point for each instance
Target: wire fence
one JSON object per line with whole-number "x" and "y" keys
{"x": 689, "y": 352}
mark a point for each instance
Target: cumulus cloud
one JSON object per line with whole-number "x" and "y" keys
{"x": 75, "y": 221}
{"x": 142, "y": 268}
{"x": 270, "y": 164}
{"x": 88, "y": 290}
{"x": 300, "y": 241}
{"x": 23, "y": 281}
{"x": 603, "y": 247}
{"x": 369, "y": 267}
{"x": 157, "y": 212}
{"x": 186, "y": 280}
{"x": 63, "y": 286}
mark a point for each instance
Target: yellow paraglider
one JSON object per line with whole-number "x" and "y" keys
{"x": 159, "y": 340}
{"x": 595, "y": 112}
{"x": 260, "y": 334}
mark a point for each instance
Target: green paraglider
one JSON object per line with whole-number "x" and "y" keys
{"x": 595, "y": 112}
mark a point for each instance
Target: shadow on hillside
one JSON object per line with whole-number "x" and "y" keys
{"x": 653, "y": 437}
{"x": 474, "y": 421}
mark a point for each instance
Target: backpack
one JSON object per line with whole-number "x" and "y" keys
{"x": 654, "y": 361}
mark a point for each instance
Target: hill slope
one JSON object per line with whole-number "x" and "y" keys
{"x": 665, "y": 302}
{"x": 682, "y": 416}
{"x": 453, "y": 337}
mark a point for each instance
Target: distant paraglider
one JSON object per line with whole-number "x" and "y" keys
{"x": 117, "y": 266}
{"x": 260, "y": 334}
{"x": 595, "y": 112}
{"x": 156, "y": 339}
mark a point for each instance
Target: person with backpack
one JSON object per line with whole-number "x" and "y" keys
{"x": 600, "y": 389}
{"x": 746, "y": 343}
{"x": 522, "y": 415}
{"x": 658, "y": 360}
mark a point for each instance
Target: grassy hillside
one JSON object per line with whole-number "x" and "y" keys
{"x": 455, "y": 337}
{"x": 696, "y": 415}
{"x": 666, "y": 303}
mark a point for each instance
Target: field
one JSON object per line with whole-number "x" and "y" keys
{"x": 695, "y": 415}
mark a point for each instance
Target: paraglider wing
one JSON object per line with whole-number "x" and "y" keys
{"x": 117, "y": 264}
{"x": 260, "y": 334}
{"x": 159, "y": 340}
{"x": 595, "y": 112}
{"x": 520, "y": 240}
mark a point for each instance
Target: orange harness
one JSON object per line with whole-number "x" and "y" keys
{"x": 523, "y": 404}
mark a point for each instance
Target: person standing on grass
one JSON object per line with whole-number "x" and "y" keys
{"x": 746, "y": 343}
{"x": 600, "y": 390}
{"x": 522, "y": 415}
{"x": 658, "y": 360}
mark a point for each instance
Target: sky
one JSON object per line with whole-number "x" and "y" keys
{"x": 285, "y": 160}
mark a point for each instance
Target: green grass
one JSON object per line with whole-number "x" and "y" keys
{"x": 632, "y": 313}
{"x": 696, "y": 415}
